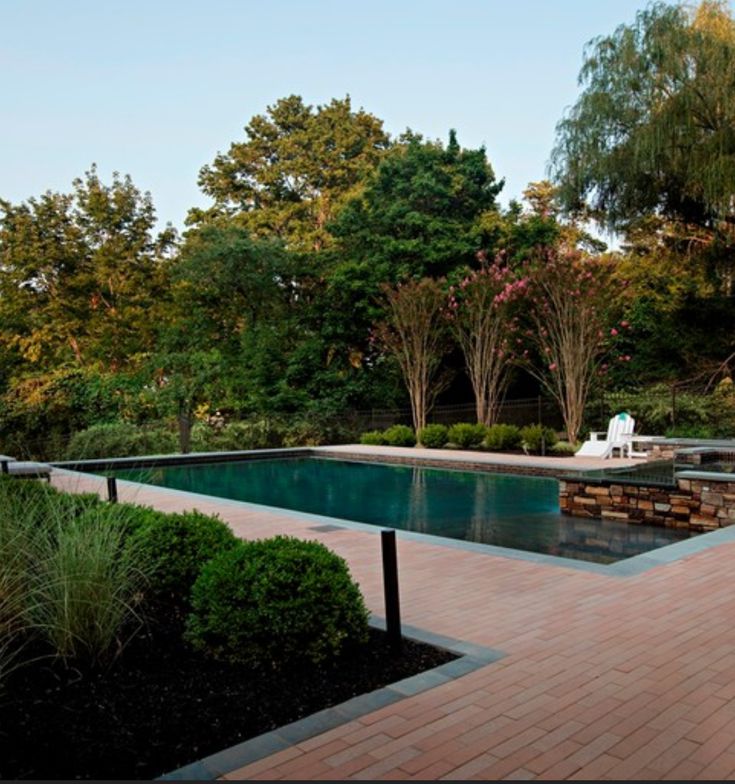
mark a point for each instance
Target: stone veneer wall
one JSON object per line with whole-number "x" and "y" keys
{"x": 696, "y": 504}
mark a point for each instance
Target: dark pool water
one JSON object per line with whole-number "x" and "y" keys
{"x": 499, "y": 509}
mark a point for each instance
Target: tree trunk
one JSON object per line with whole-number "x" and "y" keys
{"x": 185, "y": 423}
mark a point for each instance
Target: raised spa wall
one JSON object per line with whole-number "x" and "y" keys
{"x": 700, "y": 501}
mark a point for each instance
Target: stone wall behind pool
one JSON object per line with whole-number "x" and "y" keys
{"x": 697, "y": 503}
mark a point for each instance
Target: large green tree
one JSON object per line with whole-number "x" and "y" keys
{"x": 81, "y": 275}
{"x": 263, "y": 308}
{"x": 419, "y": 215}
{"x": 295, "y": 168}
{"x": 652, "y": 131}
{"x": 240, "y": 295}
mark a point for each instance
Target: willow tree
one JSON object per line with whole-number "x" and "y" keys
{"x": 415, "y": 333}
{"x": 652, "y": 131}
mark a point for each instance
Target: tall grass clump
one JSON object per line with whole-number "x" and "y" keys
{"x": 86, "y": 585}
{"x": 15, "y": 558}
{"x": 70, "y": 576}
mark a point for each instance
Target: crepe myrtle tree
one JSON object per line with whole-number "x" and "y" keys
{"x": 415, "y": 332}
{"x": 481, "y": 308}
{"x": 571, "y": 330}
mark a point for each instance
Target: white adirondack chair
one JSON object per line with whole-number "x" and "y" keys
{"x": 619, "y": 436}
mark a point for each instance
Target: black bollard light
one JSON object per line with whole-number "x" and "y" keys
{"x": 4, "y": 466}
{"x": 112, "y": 489}
{"x": 390, "y": 587}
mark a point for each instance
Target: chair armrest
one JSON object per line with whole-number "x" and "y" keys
{"x": 595, "y": 436}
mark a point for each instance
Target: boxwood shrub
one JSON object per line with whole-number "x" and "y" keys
{"x": 564, "y": 449}
{"x": 532, "y": 436}
{"x": 467, "y": 435}
{"x": 503, "y": 437}
{"x": 272, "y": 602}
{"x": 177, "y": 546}
{"x": 434, "y": 436}
{"x": 121, "y": 439}
{"x": 373, "y": 438}
{"x": 399, "y": 435}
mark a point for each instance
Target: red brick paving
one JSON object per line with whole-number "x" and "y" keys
{"x": 604, "y": 677}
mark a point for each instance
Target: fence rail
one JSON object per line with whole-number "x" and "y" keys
{"x": 522, "y": 411}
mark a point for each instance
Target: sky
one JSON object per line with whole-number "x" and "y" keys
{"x": 155, "y": 89}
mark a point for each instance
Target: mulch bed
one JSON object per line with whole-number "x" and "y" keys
{"x": 161, "y": 706}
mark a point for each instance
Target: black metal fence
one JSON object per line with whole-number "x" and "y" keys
{"x": 523, "y": 411}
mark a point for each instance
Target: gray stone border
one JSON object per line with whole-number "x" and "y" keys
{"x": 192, "y": 458}
{"x": 628, "y": 567}
{"x": 472, "y": 657}
{"x": 445, "y": 459}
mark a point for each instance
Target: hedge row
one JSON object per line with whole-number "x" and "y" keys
{"x": 464, "y": 435}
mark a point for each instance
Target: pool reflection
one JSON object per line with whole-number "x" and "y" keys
{"x": 519, "y": 512}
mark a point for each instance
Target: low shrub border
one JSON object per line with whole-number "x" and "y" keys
{"x": 470, "y": 657}
{"x": 531, "y": 439}
{"x": 79, "y": 723}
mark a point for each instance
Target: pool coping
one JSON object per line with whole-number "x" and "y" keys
{"x": 471, "y": 658}
{"x": 468, "y": 460}
{"x": 628, "y": 567}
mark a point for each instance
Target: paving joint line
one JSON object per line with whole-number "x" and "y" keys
{"x": 471, "y": 657}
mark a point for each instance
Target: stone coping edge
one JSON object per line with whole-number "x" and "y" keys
{"x": 447, "y": 461}
{"x": 192, "y": 458}
{"x": 628, "y": 567}
{"x": 703, "y": 476}
{"x": 471, "y": 657}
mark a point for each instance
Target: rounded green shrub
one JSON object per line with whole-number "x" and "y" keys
{"x": 564, "y": 449}
{"x": 234, "y": 436}
{"x": 467, "y": 435}
{"x": 372, "y": 438}
{"x": 176, "y": 547}
{"x": 434, "y": 436}
{"x": 691, "y": 431}
{"x": 318, "y": 430}
{"x": 399, "y": 435}
{"x": 272, "y": 602}
{"x": 535, "y": 435}
{"x": 500, "y": 437}
{"x": 133, "y": 517}
{"x": 120, "y": 439}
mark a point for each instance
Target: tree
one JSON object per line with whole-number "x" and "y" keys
{"x": 184, "y": 378}
{"x": 415, "y": 332}
{"x": 570, "y": 301}
{"x": 419, "y": 214}
{"x": 80, "y": 274}
{"x": 296, "y": 167}
{"x": 681, "y": 321}
{"x": 652, "y": 133}
{"x": 232, "y": 281}
{"x": 481, "y": 317}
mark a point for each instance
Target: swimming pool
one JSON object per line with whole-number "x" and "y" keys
{"x": 520, "y": 512}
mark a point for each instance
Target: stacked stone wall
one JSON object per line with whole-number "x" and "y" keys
{"x": 694, "y": 504}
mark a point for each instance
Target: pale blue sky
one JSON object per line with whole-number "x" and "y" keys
{"x": 155, "y": 89}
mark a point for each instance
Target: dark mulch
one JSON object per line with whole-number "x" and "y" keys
{"x": 162, "y": 706}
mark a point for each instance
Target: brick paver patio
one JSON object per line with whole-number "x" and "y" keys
{"x": 604, "y": 676}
